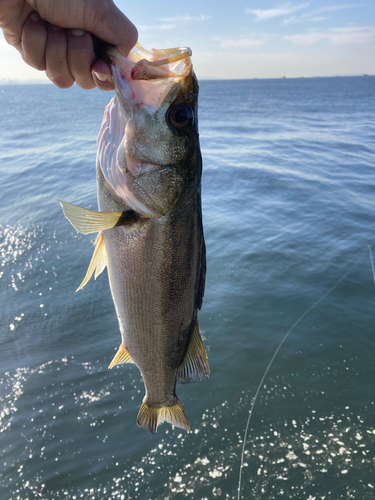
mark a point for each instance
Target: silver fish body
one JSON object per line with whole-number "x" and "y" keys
{"x": 149, "y": 173}
{"x": 155, "y": 270}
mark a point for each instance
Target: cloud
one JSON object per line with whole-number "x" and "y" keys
{"x": 337, "y": 36}
{"x": 331, "y": 8}
{"x": 171, "y": 23}
{"x": 314, "y": 15}
{"x": 241, "y": 42}
{"x": 142, "y": 28}
{"x": 305, "y": 18}
{"x": 185, "y": 19}
{"x": 283, "y": 10}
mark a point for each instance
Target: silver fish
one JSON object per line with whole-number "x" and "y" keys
{"x": 149, "y": 224}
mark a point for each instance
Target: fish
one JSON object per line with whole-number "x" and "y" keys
{"x": 149, "y": 224}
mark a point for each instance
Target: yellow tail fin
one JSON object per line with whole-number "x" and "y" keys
{"x": 150, "y": 418}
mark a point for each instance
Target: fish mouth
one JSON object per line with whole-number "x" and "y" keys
{"x": 158, "y": 63}
{"x": 146, "y": 77}
{"x": 138, "y": 167}
{"x": 167, "y": 60}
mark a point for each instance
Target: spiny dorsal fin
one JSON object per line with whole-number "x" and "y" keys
{"x": 150, "y": 418}
{"x": 98, "y": 260}
{"x": 87, "y": 221}
{"x": 122, "y": 356}
{"x": 195, "y": 360}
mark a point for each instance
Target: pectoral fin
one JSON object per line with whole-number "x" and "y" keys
{"x": 87, "y": 221}
{"x": 195, "y": 361}
{"x": 98, "y": 261}
{"x": 122, "y": 356}
{"x": 150, "y": 418}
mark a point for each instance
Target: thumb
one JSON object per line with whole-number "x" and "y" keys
{"x": 112, "y": 26}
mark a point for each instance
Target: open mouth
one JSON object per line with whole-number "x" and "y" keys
{"x": 146, "y": 77}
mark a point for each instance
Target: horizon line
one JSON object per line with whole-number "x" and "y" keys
{"x": 9, "y": 81}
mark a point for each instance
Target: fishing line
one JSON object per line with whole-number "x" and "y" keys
{"x": 372, "y": 263}
{"x": 273, "y": 358}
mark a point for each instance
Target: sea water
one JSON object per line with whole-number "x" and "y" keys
{"x": 289, "y": 218}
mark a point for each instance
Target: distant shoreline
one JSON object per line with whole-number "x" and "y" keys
{"x": 201, "y": 79}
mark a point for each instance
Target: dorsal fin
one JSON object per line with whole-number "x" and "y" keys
{"x": 195, "y": 361}
{"x": 98, "y": 260}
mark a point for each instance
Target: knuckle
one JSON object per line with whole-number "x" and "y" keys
{"x": 40, "y": 66}
{"x": 64, "y": 85}
{"x": 34, "y": 61}
{"x": 86, "y": 85}
{"x": 62, "y": 82}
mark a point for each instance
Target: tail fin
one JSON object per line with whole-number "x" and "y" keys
{"x": 150, "y": 418}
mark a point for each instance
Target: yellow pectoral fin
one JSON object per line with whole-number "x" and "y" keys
{"x": 195, "y": 360}
{"x": 122, "y": 356}
{"x": 98, "y": 260}
{"x": 87, "y": 221}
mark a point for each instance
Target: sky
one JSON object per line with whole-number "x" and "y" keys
{"x": 247, "y": 39}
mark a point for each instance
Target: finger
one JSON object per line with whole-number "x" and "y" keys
{"x": 101, "y": 74}
{"x": 57, "y": 68}
{"x": 81, "y": 57}
{"x": 13, "y": 14}
{"x": 34, "y": 39}
{"x": 100, "y": 17}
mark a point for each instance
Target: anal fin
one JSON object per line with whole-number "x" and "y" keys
{"x": 98, "y": 261}
{"x": 150, "y": 418}
{"x": 122, "y": 356}
{"x": 195, "y": 361}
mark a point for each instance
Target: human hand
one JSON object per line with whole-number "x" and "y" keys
{"x": 55, "y": 36}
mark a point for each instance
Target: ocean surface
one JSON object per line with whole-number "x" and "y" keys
{"x": 289, "y": 219}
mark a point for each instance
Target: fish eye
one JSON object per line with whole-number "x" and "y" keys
{"x": 181, "y": 116}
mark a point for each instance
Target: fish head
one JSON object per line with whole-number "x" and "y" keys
{"x": 148, "y": 147}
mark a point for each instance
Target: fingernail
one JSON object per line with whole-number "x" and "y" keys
{"x": 77, "y": 32}
{"x": 101, "y": 76}
{"x": 34, "y": 16}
